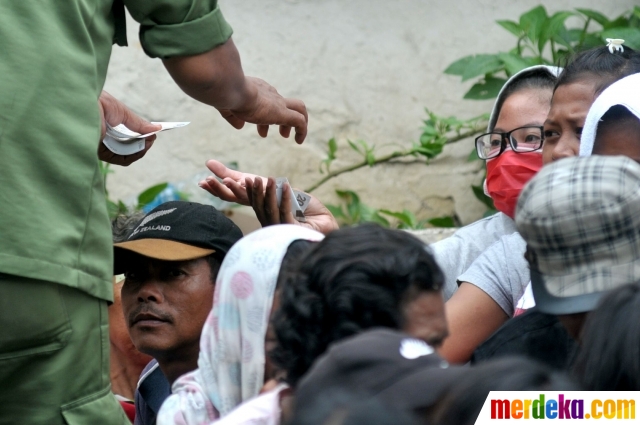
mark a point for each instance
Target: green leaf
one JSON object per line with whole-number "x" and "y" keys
{"x": 183, "y": 196}
{"x": 112, "y": 209}
{"x": 375, "y": 217}
{"x": 371, "y": 159}
{"x": 481, "y": 65}
{"x": 446, "y": 221}
{"x": 406, "y": 218}
{"x": 122, "y": 208}
{"x": 473, "y": 155}
{"x": 552, "y": 27}
{"x": 487, "y": 89}
{"x": 489, "y": 212}
{"x": 354, "y": 147}
{"x": 533, "y": 21}
{"x": 478, "y": 192}
{"x": 336, "y": 211}
{"x": 333, "y": 147}
{"x": 331, "y": 154}
{"x": 596, "y": 16}
{"x": 631, "y": 36}
{"x": 458, "y": 67}
{"x": 513, "y": 63}
{"x": 150, "y": 194}
{"x": 620, "y": 21}
{"x": 590, "y": 41}
{"x": 430, "y": 150}
{"x": 513, "y": 27}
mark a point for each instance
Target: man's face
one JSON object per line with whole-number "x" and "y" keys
{"x": 166, "y": 303}
{"x": 118, "y": 332}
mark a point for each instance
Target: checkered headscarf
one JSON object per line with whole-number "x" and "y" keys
{"x": 581, "y": 220}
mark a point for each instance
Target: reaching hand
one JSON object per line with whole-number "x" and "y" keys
{"x": 114, "y": 112}
{"x": 232, "y": 188}
{"x": 266, "y": 107}
{"x": 260, "y": 193}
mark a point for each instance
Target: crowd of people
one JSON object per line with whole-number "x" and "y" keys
{"x": 302, "y": 322}
{"x": 311, "y": 324}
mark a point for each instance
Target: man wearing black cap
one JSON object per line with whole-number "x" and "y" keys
{"x": 170, "y": 260}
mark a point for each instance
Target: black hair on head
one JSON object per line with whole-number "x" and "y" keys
{"x": 616, "y": 115}
{"x": 609, "y": 356}
{"x": 534, "y": 79}
{"x": 600, "y": 65}
{"x": 355, "y": 279}
{"x": 291, "y": 260}
{"x": 340, "y": 407}
{"x": 123, "y": 225}
{"x": 461, "y": 405}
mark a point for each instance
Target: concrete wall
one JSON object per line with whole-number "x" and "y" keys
{"x": 366, "y": 70}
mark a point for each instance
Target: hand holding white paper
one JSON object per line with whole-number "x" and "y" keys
{"x": 122, "y": 141}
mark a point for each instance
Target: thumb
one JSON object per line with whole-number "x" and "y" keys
{"x": 137, "y": 124}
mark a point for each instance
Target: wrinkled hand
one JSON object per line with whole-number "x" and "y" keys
{"x": 266, "y": 107}
{"x": 260, "y": 193}
{"x": 114, "y": 112}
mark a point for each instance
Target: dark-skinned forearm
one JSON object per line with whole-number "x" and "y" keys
{"x": 215, "y": 77}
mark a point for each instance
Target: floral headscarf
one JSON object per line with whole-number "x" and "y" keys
{"x": 231, "y": 362}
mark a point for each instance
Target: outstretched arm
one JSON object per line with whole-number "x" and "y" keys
{"x": 260, "y": 193}
{"x": 217, "y": 79}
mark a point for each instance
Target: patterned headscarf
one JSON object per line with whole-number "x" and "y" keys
{"x": 231, "y": 362}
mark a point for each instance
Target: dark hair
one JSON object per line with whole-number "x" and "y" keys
{"x": 601, "y": 65}
{"x": 616, "y": 115}
{"x": 345, "y": 408}
{"x": 609, "y": 356}
{"x": 534, "y": 79}
{"x": 123, "y": 225}
{"x": 355, "y": 279}
{"x": 291, "y": 260}
{"x": 461, "y": 405}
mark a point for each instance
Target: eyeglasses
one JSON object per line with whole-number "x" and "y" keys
{"x": 521, "y": 140}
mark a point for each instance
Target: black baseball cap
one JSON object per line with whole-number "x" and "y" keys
{"x": 178, "y": 231}
{"x": 397, "y": 369}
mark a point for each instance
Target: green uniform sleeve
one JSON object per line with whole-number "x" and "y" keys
{"x": 171, "y": 28}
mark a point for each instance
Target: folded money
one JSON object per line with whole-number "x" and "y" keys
{"x": 299, "y": 200}
{"x": 123, "y": 141}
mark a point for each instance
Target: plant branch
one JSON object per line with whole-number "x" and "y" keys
{"x": 387, "y": 158}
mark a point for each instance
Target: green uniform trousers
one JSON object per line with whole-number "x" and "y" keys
{"x": 54, "y": 356}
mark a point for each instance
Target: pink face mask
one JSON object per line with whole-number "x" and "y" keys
{"x": 507, "y": 175}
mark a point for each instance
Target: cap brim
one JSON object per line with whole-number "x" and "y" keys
{"x": 551, "y": 304}
{"x": 158, "y": 249}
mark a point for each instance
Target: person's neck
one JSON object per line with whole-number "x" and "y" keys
{"x": 177, "y": 365}
{"x": 124, "y": 373}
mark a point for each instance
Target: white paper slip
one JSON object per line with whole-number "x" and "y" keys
{"x": 123, "y": 141}
{"x": 299, "y": 200}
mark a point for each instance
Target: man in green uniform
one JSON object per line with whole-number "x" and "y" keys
{"x": 55, "y": 243}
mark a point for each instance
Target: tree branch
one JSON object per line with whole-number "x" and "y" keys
{"x": 385, "y": 158}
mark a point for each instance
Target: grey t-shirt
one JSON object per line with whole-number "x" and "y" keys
{"x": 456, "y": 253}
{"x": 501, "y": 271}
